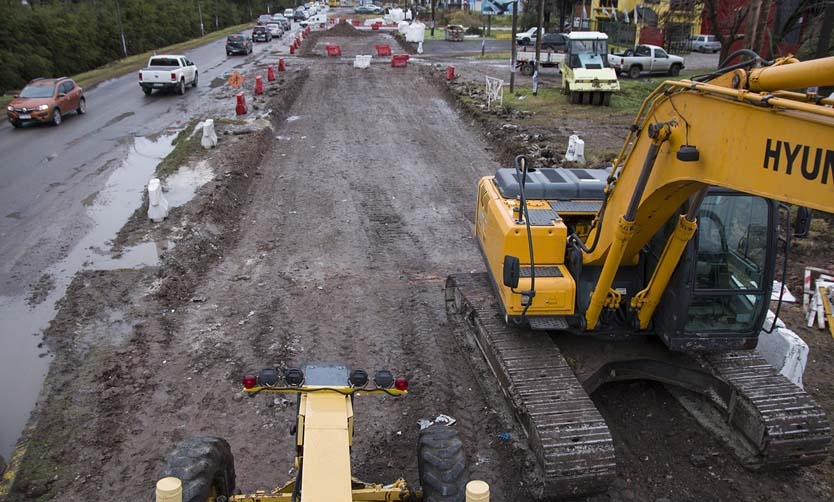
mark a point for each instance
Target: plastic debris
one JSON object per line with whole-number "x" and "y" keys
{"x": 440, "y": 420}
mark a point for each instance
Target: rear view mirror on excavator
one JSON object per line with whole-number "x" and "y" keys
{"x": 802, "y": 223}
{"x": 201, "y": 468}
{"x": 512, "y": 271}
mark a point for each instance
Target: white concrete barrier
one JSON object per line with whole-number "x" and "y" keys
{"x": 157, "y": 205}
{"x": 362, "y": 61}
{"x": 576, "y": 150}
{"x": 784, "y": 350}
{"x": 209, "y": 135}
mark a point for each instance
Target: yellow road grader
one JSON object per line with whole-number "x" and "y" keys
{"x": 201, "y": 468}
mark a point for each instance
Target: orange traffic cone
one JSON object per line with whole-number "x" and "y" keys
{"x": 259, "y": 85}
{"x": 281, "y": 65}
{"x": 270, "y": 73}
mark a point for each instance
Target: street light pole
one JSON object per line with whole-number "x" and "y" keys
{"x": 121, "y": 28}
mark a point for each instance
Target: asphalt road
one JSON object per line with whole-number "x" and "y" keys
{"x": 50, "y": 178}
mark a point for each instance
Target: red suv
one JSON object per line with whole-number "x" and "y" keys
{"x": 46, "y": 100}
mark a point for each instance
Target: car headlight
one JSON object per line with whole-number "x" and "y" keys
{"x": 43, "y": 107}
{"x": 10, "y": 108}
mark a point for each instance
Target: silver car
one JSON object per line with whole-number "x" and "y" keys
{"x": 704, "y": 43}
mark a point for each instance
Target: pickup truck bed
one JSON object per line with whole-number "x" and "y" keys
{"x": 549, "y": 59}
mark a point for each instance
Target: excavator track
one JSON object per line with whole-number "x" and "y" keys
{"x": 782, "y": 425}
{"x": 565, "y": 430}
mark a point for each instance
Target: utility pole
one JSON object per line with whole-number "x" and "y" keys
{"x": 121, "y": 28}
{"x": 200, "y": 11}
{"x": 433, "y": 7}
{"x": 513, "y": 47}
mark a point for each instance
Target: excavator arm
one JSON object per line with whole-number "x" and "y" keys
{"x": 740, "y": 131}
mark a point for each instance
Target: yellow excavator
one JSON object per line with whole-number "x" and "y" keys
{"x": 659, "y": 267}
{"x": 201, "y": 468}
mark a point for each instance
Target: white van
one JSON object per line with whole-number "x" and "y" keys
{"x": 288, "y": 13}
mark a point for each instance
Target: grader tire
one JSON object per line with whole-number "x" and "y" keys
{"x": 442, "y": 465}
{"x": 205, "y": 466}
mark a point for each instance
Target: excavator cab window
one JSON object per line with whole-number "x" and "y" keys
{"x": 732, "y": 249}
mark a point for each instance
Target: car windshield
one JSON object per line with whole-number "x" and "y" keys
{"x": 37, "y": 91}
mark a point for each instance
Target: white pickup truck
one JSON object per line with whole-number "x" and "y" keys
{"x": 168, "y": 72}
{"x": 646, "y": 58}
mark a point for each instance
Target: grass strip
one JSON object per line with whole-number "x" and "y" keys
{"x": 120, "y": 67}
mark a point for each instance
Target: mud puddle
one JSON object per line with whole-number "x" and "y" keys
{"x": 23, "y": 360}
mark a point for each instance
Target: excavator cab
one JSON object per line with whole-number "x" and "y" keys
{"x": 724, "y": 279}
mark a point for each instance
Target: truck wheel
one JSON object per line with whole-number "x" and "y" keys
{"x": 205, "y": 466}
{"x": 675, "y": 70}
{"x": 194, "y": 83}
{"x": 181, "y": 88}
{"x": 606, "y": 99}
{"x": 527, "y": 69}
{"x": 634, "y": 71}
{"x": 147, "y": 91}
{"x": 596, "y": 98}
{"x": 442, "y": 465}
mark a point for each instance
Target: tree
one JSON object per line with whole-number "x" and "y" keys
{"x": 726, "y": 19}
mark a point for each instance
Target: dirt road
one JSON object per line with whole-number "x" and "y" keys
{"x": 357, "y": 210}
{"x": 327, "y": 236}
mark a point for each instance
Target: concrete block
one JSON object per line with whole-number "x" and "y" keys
{"x": 158, "y": 205}
{"x": 784, "y": 350}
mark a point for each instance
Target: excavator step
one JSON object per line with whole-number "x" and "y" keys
{"x": 565, "y": 430}
{"x": 782, "y": 424}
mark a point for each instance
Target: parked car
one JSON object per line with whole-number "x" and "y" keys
{"x": 527, "y": 37}
{"x": 299, "y": 15}
{"x": 555, "y": 42}
{"x": 704, "y": 43}
{"x": 283, "y": 21}
{"x": 320, "y": 18}
{"x": 168, "y": 72}
{"x": 368, "y": 8}
{"x": 263, "y": 19}
{"x": 646, "y": 58}
{"x": 46, "y": 100}
{"x": 275, "y": 30}
{"x": 261, "y": 34}
{"x": 238, "y": 44}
